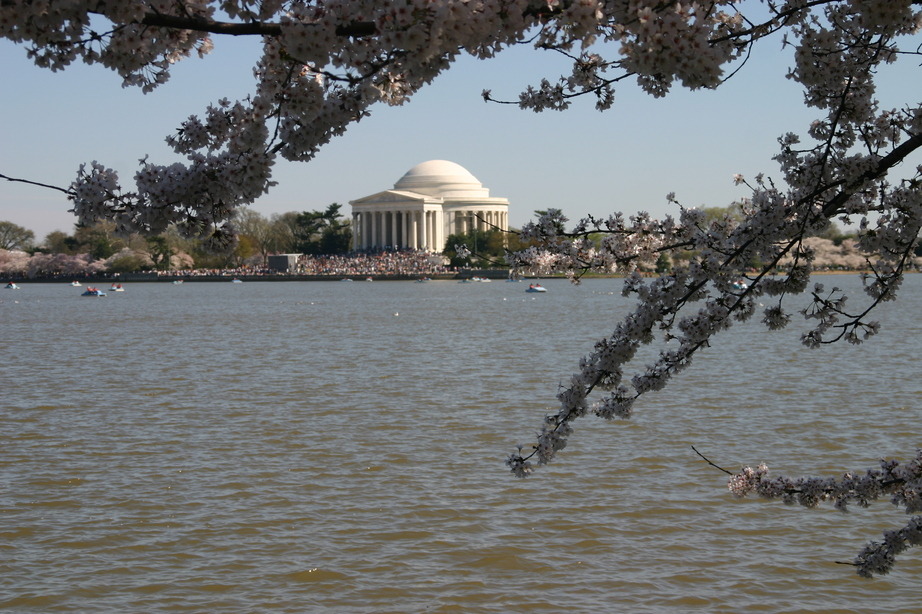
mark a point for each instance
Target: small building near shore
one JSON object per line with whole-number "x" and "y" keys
{"x": 283, "y": 263}
{"x": 431, "y": 201}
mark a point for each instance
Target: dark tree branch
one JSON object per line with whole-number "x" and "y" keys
{"x": 36, "y": 183}
{"x": 198, "y": 24}
{"x": 708, "y": 461}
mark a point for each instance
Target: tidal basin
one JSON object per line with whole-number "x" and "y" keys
{"x": 338, "y": 447}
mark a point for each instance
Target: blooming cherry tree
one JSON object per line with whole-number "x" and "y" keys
{"x": 325, "y": 63}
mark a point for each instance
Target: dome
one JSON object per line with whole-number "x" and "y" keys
{"x": 441, "y": 178}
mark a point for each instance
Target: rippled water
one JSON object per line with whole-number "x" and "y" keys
{"x": 339, "y": 447}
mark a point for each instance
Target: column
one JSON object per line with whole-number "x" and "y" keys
{"x": 424, "y": 237}
{"x": 406, "y": 229}
{"x": 366, "y": 229}
{"x": 388, "y": 229}
{"x": 374, "y": 230}
{"x": 440, "y": 230}
{"x": 355, "y": 231}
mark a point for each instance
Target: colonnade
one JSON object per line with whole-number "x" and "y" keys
{"x": 419, "y": 229}
{"x": 465, "y": 221}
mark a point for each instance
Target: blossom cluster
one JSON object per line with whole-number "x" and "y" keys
{"x": 764, "y": 255}
{"x": 902, "y": 481}
{"x": 326, "y": 63}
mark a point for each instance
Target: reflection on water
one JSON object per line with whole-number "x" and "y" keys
{"x": 327, "y": 447}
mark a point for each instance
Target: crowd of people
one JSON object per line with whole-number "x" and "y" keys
{"x": 368, "y": 264}
{"x": 403, "y": 262}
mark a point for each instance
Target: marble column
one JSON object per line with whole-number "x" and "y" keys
{"x": 423, "y": 238}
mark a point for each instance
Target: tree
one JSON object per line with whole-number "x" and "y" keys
{"x": 326, "y": 64}
{"x": 13, "y": 236}
{"x": 322, "y": 232}
{"x": 127, "y": 261}
{"x": 261, "y": 234}
{"x": 98, "y": 240}
{"x": 160, "y": 252}
{"x": 485, "y": 248}
{"x": 59, "y": 242}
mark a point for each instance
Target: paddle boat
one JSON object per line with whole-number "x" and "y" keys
{"x": 422, "y": 280}
{"x": 739, "y": 284}
{"x": 116, "y": 288}
{"x": 177, "y": 281}
{"x": 75, "y": 283}
{"x": 535, "y": 288}
{"x": 236, "y": 281}
{"x": 12, "y": 286}
{"x": 91, "y": 291}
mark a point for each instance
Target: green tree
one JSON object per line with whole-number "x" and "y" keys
{"x": 98, "y": 240}
{"x": 558, "y": 225}
{"x": 13, "y": 236}
{"x": 487, "y": 247}
{"x": 59, "y": 242}
{"x": 127, "y": 263}
{"x": 259, "y": 235}
{"x": 322, "y": 232}
{"x": 160, "y": 252}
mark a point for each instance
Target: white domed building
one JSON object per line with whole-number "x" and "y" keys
{"x": 431, "y": 201}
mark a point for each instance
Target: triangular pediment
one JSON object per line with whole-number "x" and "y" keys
{"x": 395, "y": 196}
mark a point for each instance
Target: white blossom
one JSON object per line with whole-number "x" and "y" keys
{"x": 325, "y": 64}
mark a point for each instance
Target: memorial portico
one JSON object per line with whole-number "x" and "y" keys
{"x": 431, "y": 201}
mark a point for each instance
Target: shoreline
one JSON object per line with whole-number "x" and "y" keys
{"x": 492, "y": 274}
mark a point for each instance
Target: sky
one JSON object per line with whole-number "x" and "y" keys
{"x": 581, "y": 161}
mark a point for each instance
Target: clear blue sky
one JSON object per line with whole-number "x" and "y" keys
{"x": 581, "y": 161}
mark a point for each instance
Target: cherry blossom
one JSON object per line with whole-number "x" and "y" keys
{"x": 327, "y": 63}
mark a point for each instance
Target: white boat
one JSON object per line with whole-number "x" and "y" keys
{"x": 12, "y": 286}
{"x": 177, "y": 281}
{"x": 75, "y": 283}
{"x": 236, "y": 281}
{"x": 739, "y": 285}
{"x": 116, "y": 288}
{"x": 535, "y": 288}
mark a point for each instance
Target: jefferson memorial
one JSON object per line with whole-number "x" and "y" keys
{"x": 431, "y": 201}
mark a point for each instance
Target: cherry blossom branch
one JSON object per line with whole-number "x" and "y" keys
{"x": 903, "y": 482}
{"x": 38, "y": 184}
{"x": 251, "y": 28}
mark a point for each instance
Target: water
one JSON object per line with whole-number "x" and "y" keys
{"x": 339, "y": 447}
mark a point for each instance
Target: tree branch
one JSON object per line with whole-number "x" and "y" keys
{"x": 199, "y": 24}
{"x": 41, "y": 185}
{"x": 709, "y": 462}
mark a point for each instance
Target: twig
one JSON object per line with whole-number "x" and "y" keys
{"x": 36, "y": 183}
{"x": 708, "y": 461}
